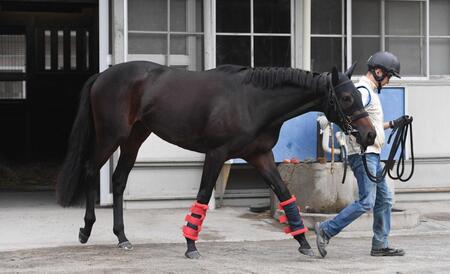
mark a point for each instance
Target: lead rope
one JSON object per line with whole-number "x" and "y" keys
{"x": 332, "y": 148}
{"x": 345, "y": 162}
{"x": 399, "y": 142}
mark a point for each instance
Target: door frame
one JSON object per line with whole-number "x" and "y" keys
{"x": 106, "y": 197}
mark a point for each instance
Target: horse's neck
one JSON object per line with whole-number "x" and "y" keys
{"x": 289, "y": 102}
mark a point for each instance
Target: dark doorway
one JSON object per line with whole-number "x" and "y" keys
{"x": 47, "y": 51}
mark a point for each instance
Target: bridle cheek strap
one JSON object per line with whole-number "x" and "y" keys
{"x": 346, "y": 120}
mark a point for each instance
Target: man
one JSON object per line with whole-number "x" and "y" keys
{"x": 372, "y": 196}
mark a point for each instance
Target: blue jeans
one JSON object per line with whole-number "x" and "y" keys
{"x": 372, "y": 196}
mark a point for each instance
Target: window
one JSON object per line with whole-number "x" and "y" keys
{"x": 398, "y": 26}
{"x": 439, "y": 37}
{"x": 327, "y": 34}
{"x": 366, "y": 38}
{"x": 12, "y": 52}
{"x": 12, "y": 90}
{"x": 47, "y": 49}
{"x": 12, "y": 65}
{"x": 405, "y": 35}
{"x": 253, "y": 32}
{"x": 168, "y": 32}
{"x": 65, "y": 50}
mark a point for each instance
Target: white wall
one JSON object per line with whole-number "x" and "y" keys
{"x": 428, "y": 102}
{"x": 430, "y": 107}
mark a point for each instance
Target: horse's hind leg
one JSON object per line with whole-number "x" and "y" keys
{"x": 213, "y": 164}
{"x": 265, "y": 164}
{"x": 89, "y": 217}
{"x": 128, "y": 153}
{"x": 98, "y": 158}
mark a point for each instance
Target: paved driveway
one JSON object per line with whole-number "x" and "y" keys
{"x": 428, "y": 254}
{"x": 38, "y": 236}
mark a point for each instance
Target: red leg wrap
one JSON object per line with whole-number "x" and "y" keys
{"x": 288, "y": 230}
{"x": 197, "y": 209}
{"x": 299, "y": 231}
{"x": 284, "y": 219}
{"x": 193, "y": 220}
{"x": 291, "y": 200}
{"x": 190, "y": 233}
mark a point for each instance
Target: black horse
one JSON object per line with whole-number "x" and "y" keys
{"x": 227, "y": 112}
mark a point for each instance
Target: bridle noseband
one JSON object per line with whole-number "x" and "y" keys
{"x": 346, "y": 120}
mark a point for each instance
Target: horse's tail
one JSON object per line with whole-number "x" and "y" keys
{"x": 69, "y": 185}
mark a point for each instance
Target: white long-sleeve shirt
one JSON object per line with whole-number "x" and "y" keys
{"x": 372, "y": 105}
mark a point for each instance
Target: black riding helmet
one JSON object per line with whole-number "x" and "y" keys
{"x": 386, "y": 61}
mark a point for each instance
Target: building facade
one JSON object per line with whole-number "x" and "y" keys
{"x": 312, "y": 35}
{"x": 306, "y": 34}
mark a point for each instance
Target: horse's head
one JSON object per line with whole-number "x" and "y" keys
{"x": 345, "y": 108}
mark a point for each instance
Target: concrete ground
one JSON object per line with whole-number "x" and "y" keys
{"x": 38, "y": 236}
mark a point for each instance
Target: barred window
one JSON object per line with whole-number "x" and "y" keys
{"x": 398, "y": 26}
{"x": 253, "y": 32}
{"x": 12, "y": 66}
{"x": 168, "y": 32}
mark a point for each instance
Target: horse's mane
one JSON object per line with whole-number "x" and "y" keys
{"x": 270, "y": 77}
{"x": 231, "y": 68}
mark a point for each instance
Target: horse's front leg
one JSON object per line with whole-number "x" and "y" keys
{"x": 213, "y": 164}
{"x": 265, "y": 164}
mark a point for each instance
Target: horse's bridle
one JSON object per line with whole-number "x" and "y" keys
{"x": 346, "y": 120}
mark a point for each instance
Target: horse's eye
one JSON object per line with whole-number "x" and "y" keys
{"x": 347, "y": 101}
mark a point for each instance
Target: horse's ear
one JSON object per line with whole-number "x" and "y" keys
{"x": 334, "y": 76}
{"x": 350, "y": 70}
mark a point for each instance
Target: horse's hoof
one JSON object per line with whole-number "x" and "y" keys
{"x": 306, "y": 251}
{"x": 125, "y": 245}
{"x": 83, "y": 238}
{"x": 194, "y": 254}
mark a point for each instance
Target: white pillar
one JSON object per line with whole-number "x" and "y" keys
{"x": 306, "y": 59}
{"x": 349, "y": 34}
{"x": 209, "y": 31}
{"x": 119, "y": 31}
{"x": 119, "y": 55}
{"x": 103, "y": 40}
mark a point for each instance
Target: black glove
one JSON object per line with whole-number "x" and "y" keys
{"x": 401, "y": 121}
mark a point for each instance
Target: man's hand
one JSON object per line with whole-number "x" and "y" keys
{"x": 401, "y": 121}
{"x": 323, "y": 121}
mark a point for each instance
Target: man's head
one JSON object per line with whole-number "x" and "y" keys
{"x": 381, "y": 67}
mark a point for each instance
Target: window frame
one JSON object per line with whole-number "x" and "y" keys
{"x": 168, "y": 59}
{"x": 429, "y": 37}
{"x": 347, "y": 39}
{"x": 383, "y": 37}
{"x": 294, "y": 32}
{"x": 17, "y": 76}
{"x": 342, "y": 36}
